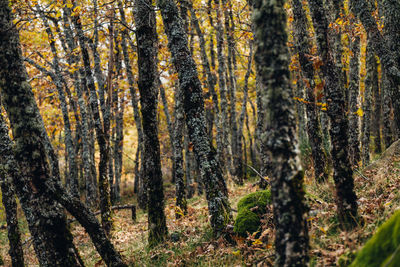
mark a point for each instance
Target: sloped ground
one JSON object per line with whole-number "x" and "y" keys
{"x": 377, "y": 190}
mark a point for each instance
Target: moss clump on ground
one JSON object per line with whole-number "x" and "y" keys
{"x": 383, "y": 249}
{"x": 250, "y": 210}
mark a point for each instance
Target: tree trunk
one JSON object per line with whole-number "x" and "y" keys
{"x": 366, "y": 121}
{"x": 216, "y": 190}
{"x": 181, "y": 203}
{"x": 354, "y": 118}
{"x": 136, "y": 112}
{"x": 146, "y": 37}
{"x": 223, "y": 143}
{"x": 272, "y": 62}
{"x": 382, "y": 47}
{"x": 10, "y": 207}
{"x": 314, "y": 132}
{"x": 101, "y": 125}
{"x": 346, "y": 199}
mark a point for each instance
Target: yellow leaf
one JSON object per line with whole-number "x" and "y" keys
{"x": 322, "y": 229}
{"x": 257, "y": 242}
{"x": 236, "y": 253}
{"x": 360, "y": 112}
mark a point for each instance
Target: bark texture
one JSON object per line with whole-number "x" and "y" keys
{"x": 193, "y": 103}
{"x": 38, "y": 187}
{"x": 46, "y": 220}
{"x": 354, "y": 118}
{"x": 346, "y": 199}
{"x": 314, "y": 132}
{"x": 366, "y": 120}
{"x": 10, "y": 206}
{"x": 146, "y": 37}
{"x": 272, "y": 62}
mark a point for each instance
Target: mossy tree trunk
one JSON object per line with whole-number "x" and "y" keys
{"x": 146, "y": 37}
{"x": 10, "y": 206}
{"x": 386, "y": 47}
{"x": 181, "y": 203}
{"x": 367, "y": 106}
{"x": 272, "y": 62}
{"x": 101, "y": 125}
{"x": 346, "y": 199}
{"x": 37, "y": 185}
{"x": 303, "y": 48}
{"x": 193, "y": 103}
{"x": 47, "y": 222}
{"x": 354, "y": 118}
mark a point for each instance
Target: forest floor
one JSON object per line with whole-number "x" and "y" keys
{"x": 377, "y": 189}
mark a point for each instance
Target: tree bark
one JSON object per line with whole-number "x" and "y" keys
{"x": 367, "y": 106}
{"x": 146, "y": 37}
{"x": 382, "y": 47}
{"x": 346, "y": 199}
{"x": 354, "y": 118}
{"x": 102, "y": 130}
{"x": 272, "y": 62}
{"x": 216, "y": 190}
{"x": 10, "y": 206}
{"x": 314, "y": 132}
{"x": 181, "y": 203}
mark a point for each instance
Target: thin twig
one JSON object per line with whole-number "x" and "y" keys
{"x": 361, "y": 175}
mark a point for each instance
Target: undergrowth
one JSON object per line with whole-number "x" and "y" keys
{"x": 378, "y": 197}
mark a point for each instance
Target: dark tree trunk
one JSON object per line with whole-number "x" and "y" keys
{"x": 188, "y": 169}
{"x": 47, "y": 223}
{"x": 136, "y": 112}
{"x": 91, "y": 191}
{"x": 38, "y": 187}
{"x": 303, "y": 47}
{"x": 376, "y": 91}
{"x": 102, "y": 127}
{"x": 10, "y": 207}
{"x": 354, "y": 118}
{"x": 383, "y": 48}
{"x": 367, "y": 106}
{"x": 346, "y": 199}
{"x": 224, "y": 147}
{"x": 146, "y": 36}
{"x": 181, "y": 203}
{"x": 272, "y": 62}
{"x": 216, "y": 190}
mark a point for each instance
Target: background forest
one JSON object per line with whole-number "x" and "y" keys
{"x": 199, "y": 133}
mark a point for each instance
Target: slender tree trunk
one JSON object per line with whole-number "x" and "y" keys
{"x": 10, "y": 206}
{"x": 91, "y": 192}
{"x": 188, "y": 169}
{"x": 216, "y": 190}
{"x": 382, "y": 47}
{"x": 346, "y": 199}
{"x": 354, "y": 118}
{"x": 272, "y": 62}
{"x": 243, "y": 113}
{"x": 225, "y": 149}
{"x": 211, "y": 79}
{"x": 146, "y": 36}
{"x": 303, "y": 47}
{"x": 376, "y": 91}
{"x": 34, "y": 180}
{"x": 367, "y": 106}
{"x": 136, "y": 112}
{"x": 181, "y": 203}
{"x": 52, "y": 239}
{"x": 237, "y": 152}
{"x": 102, "y": 131}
